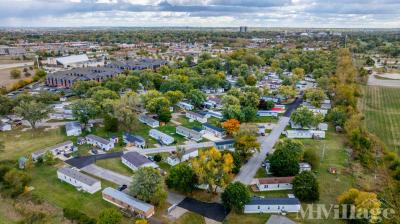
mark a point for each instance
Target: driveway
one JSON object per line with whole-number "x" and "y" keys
{"x": 214, "y": 211}
{"x": 107, "y": 174}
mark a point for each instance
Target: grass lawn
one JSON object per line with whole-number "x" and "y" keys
{"x": 332, "y": 153}
{"x": 265, "y": 119}
{"x": 116, "y": 165}
{"x": 21, "y": 143}
{"x": 171, "y": 131}
{"x": 261, "y": 172}
{"x": 381, "y": 107}
{"x": 234, "y": 218}
{"x": 190, "y": 217}
{"x": 61, "y": 195}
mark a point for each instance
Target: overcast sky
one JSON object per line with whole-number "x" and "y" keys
{"x": 202, "y": 13}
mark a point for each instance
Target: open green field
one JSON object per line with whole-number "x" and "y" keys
{"x": 381, "y": 107}
{"x": 22, "y": 143}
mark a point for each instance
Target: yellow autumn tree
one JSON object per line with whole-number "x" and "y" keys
{"x": 231, "y": 126}
{"x": 363, "y": 201}
{"x": 213, "y": 168}
{"x": 141, "y": 221}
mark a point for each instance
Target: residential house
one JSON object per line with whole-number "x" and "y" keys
{"x": 274, "y": 183}
{"x": 267, "y": 113}
{"x": 135, "y": 160}
{"x": 321, "y": 126}
{"x": 135, "y": 140}
{"x": 305, "y": 134}
{"x": 316, "y": 110}
{"x": 174, "y": 160}
{"x": 73, "y": 128}
{"x": 189, "y": 133}
{"x": 149, "y": 121}
{"x": 213, "y": 102}
{"x": 185, "y": 106}
{"x": 227, "y": 144}
{"x": 161, "y": 137}
{"x": 272, "y": 205}
{"x": 99, "y": 142}
{"x": 62, "y": 148}
{"x": 79, "y": 180}
{"x": 270, "y": 98}
{"x": 216, "y": 131}
{"x": 128, "y": 202}
{"x": 196, "y": 117}
{"x": 216, "y": 114}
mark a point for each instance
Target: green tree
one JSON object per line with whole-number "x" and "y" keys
{"x": 110, "y": 216}
{"x": 32, "y": 111}
{"x": 132, "y": 82}
{"x": 284, "y": 162}
{"x": 81, "y": 88}
{"x": 292, "y": 145}
{"x": 196, "y": 97}
{"x": 315, "y": 96}
{"x": 310, "y": 156}
{"x": 287, "y": 91}
{"x": 147, "y": 185}
{"x": 338, "y": 116}
{"x": 164, "y": 114}
{"x": 103, "y": 94}
{"x": 305, "y": 187}
{"x": 174, "y": 96}
{"x": 235, "y": 196}
{"x": 251, "y": 80}
{"x": 15, "y": 181}
{"x": 306, "y": 118}
{"x": 84, "y": 110}
{"x": 181, "y": 178}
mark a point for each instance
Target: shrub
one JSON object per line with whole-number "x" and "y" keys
{"x": 77, "y": 216}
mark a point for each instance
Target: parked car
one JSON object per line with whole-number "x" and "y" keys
{"x": 122, "y": 187}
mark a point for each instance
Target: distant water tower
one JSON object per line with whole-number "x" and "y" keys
{"x": 243, "y": 29}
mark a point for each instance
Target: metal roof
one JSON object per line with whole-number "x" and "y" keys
{"x": 215, "y": 128}
{"x": 273, "y": 201}
{"x": 98, "y": 139}
{"x": 76, "y": 175}
{"x": 136, "y": 158}
{"x": 127, "y": 199}
{"x": 72, "y": 59}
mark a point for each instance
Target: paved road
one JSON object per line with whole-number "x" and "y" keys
{"x": 248, "y": 170}
{"x": 107, "y": 174}
{"x": 170, "y": 148}
{"x": 15, "y": 65}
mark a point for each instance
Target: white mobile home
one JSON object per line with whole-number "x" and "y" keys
{"x": 100, "y": 142}
{"x": 128, "y": 202}
{"x": 189, "y": 133}
{"x": 216, "y": 131}
{"x": 305, "y": 134}
{"x": 196, "y": 117}
{"x": 162, "y": 137}
{"x": 185, "y": 106}
{"x": 135, "y": 140}
{"x": 62, "y": 148}
{"x": 174, "y": 160}
{"x": 5, "y": 126}
{"x": 79, "y": 180}
{"x": 274, "y": 183}
{"x": 149, "y": 121}
{"x": 272, "y": 205}
{"x": 135, "y": 160}
{"x": 267, "y": 113}
{"x": 225, "y": 144}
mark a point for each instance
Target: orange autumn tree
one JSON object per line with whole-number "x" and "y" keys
{"x": 213, "y": 168}
{"x": 231, "y": 126}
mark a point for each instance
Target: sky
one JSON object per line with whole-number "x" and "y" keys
{"x": 201, "y": 13}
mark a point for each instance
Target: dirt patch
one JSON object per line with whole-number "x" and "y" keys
{"x": 6, "y": 80}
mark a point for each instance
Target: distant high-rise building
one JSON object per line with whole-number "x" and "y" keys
{"x": 243, "y": 29}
